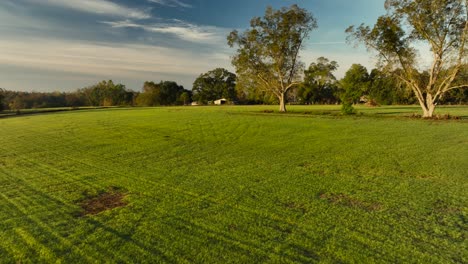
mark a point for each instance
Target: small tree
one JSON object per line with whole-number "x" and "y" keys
{"x": 268, "y": 53}
{"x": 441, "y": 24}
{"x": 354, "y": 85}
{"x": 184, "y": 98}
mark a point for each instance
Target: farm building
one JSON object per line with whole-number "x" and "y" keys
{"x": 220, "y": 101}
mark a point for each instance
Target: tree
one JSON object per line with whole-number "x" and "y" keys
{"x": 184, "y": 98}
{"x": 385, "y": 88}
{"x": 162, "y": 93}
{"x": 319, "y": 84}
{"x": 354, "y": 84}
{"x": 106, "y": 93}
{"x": 268, "y": 53}
{"x": 441, "y": 24}
{"x": 2, "y": 98}
{"x": 215, "y": 84}
{"x": 17, "y": 103}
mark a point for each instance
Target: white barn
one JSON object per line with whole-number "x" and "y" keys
{"x": 221, "y": 101}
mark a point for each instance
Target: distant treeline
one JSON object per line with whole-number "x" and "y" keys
{"x": 318, "y": 87}
{"x": 105, "y": 93}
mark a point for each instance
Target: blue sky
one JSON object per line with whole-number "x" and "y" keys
{"x": 61, "y": 45}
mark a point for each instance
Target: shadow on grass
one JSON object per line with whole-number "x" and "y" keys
{"x": 38, "y": 225}
{"x": 29, "y": 112}
{"x": 362, "y": 113}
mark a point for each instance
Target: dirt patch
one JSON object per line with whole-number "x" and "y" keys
{"x": 345, "y": 200}
{"x": 104, "y": 201}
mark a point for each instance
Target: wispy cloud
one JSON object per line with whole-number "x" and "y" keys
{"x": 180, "y": 29}
{"x": 102, "y": 7}
{"x": 108, "y": 61}
{"x": 171, "y": 3}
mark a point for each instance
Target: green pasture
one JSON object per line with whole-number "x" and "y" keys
{"x": 235, "y": 184}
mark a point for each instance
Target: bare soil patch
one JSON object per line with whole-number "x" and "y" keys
{"x": 104, "y": 201}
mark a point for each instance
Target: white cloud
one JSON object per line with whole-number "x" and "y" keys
{"x": 102, "y": 7}
{"x": 106, "y": 60}
{"x": 171, "y": 3}
{"x": 180, "y": 29}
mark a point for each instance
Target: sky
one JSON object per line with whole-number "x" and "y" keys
{"x": 62, "y": 45}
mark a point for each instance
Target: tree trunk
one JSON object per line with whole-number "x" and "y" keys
{"x": 428, "y": 106}
{"x": 429, "y": 110}
{"x": 282, "y": 103}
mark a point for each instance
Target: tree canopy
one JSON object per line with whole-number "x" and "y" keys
{"x": 268, "y": 52}
{"x": 213, "y": 85}
{"x": 319, "y": 84}
{"x": 106, "y": 93}
{"x": 440, "y": 24}
{"x": 354, "y": 84}
{"x": 163, "y": 93}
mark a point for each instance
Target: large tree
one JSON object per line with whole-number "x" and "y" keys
{"x": 268, "y": 52}
{"x": 213, "y": 85}
{"x": 440, "y": 24}
{"x": 319, "y": 84}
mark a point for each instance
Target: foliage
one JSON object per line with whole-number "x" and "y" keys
{"x": 386, "y": 89}
{"x": 458, "y": 96}
{"x": 184, "y": 97}
{"x": 354, "y": 84}
{"x": 319, "y": 86}
{"x": 267, "y": 53}
{"x": 247, "y": 92}
{"x": 163, "y": 93}
{"x": 441, "y": 24}
{"x": 2, "y": 98}
{"x": 347, "y": 107}
{"x": 206, "y": 184}
{"x": 106, "y": 93}
{"x": 213, "y": 85}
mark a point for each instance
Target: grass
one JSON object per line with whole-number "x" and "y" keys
{"x": 234, "y": 185}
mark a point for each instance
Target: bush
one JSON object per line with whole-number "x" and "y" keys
{"x": 347, "y": 109}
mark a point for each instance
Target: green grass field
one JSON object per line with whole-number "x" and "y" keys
{"x": 235, "y": 185}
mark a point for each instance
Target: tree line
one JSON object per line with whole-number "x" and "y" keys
{"x": 269, "y": 70}
{"x": 319, "y": 86}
